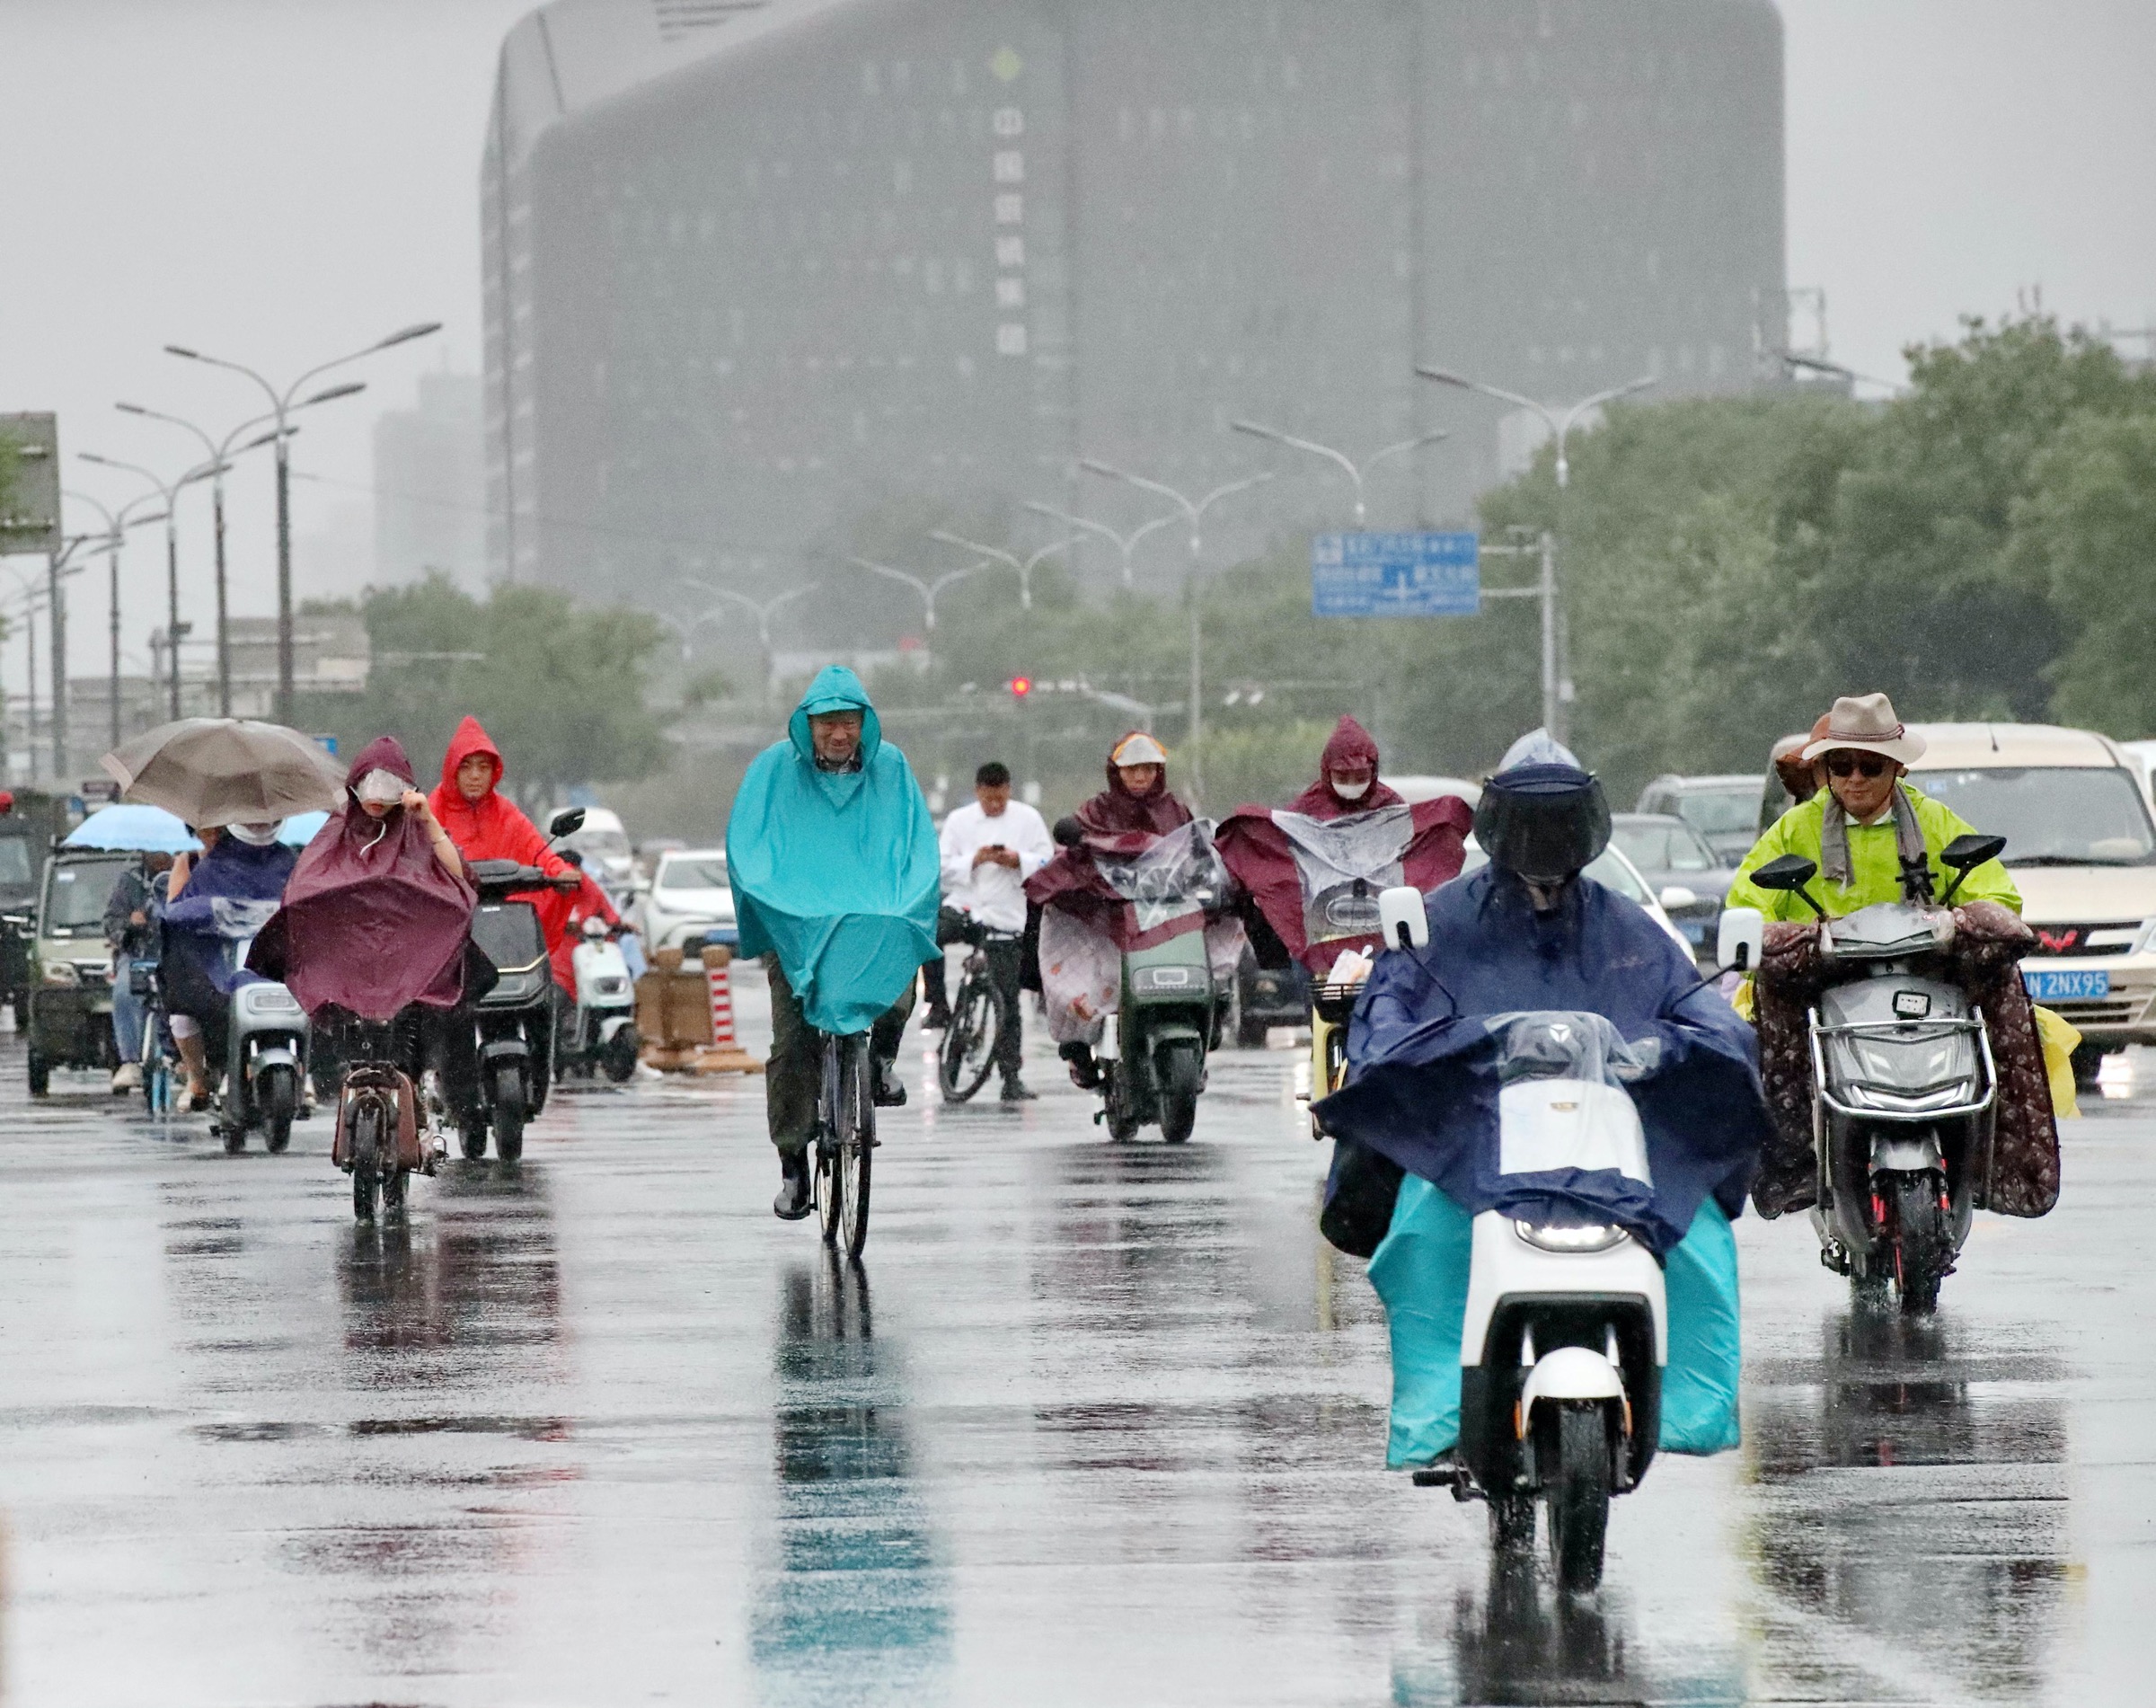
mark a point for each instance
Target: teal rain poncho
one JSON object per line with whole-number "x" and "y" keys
{"x": 835, "y": 873}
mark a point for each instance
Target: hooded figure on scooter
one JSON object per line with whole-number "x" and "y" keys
{"x": 1536, "y": 976}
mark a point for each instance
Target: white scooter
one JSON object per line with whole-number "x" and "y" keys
{"x": 603, "y": 1031}
{"x": 1565, "y": 1332}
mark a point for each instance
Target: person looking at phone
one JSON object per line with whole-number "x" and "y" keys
{"x": 989, "y": 849}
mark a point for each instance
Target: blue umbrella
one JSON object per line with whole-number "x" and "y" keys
{"x": 138, "y": 829}
{"x": 300, "y": 828}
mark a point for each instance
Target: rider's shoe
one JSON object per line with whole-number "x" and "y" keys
{"x": 937, "y": 1019}
{"x": 1085, "y": 1073}
{"x": 891, "y": 1090}
{"x": 127, "y": 1077}
{"x": 1016, "y": 1092}
{"x": 791, "y": 1204}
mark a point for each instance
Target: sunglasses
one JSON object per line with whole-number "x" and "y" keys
{"x": 1862, "y": 765}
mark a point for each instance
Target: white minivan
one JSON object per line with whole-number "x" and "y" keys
{"x": 2082, "y": 847}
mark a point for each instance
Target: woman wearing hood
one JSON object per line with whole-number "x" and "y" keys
{"x": 1136, "y": 799}
{"x": 216, "y": 901}
{"x": 1347, "y": 778}
{"x": 378, "y": 914}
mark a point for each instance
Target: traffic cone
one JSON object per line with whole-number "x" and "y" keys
{"x": 720, "y": 978}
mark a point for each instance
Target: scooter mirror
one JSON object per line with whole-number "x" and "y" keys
{"x": 1068, "y": 833}
{"x": 1742, "y": 938}
{"x": 566, "y": 823}
{"x": 1402, "y": 919}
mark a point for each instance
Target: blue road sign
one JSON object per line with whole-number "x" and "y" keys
{"x": 1395, "y": 575}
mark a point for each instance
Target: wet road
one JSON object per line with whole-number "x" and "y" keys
{"x": 1094, "y": 1424}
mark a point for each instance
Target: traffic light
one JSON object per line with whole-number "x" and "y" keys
{"x": 1020, "y": 687}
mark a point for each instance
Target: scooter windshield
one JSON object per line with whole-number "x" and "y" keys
{"x": 1343, "y": 865}
{"x": 1179, "y": 874}
{"x": 1563, "y": 1106}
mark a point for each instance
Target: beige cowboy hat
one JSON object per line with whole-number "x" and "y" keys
{"x": 1867, "y": 722}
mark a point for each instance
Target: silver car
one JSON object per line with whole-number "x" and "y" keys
{"x": 689, "y": 898}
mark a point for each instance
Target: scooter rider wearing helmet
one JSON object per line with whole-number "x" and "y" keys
{"x": 1530, "y": 962}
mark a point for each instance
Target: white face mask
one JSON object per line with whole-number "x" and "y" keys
{"x": 256, "y": 836}
{"x": 1350, "y": 790}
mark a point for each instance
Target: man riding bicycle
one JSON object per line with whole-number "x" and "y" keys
{"x": 989, "y": 849}
{"x": 832, "y": 857}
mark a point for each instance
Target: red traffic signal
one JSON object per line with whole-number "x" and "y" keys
{"x": 1020, "y": 687}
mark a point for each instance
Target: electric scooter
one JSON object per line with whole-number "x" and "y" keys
{"x": 602, "y": 1033}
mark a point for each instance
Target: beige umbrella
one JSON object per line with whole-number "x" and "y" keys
{"x": 221, "y": 771}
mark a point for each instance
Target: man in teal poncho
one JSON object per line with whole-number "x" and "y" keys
{"x": 832, "y": 856}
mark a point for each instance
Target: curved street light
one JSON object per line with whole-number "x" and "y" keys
{"x": 116, "y": 527}
{"x": 1022, "y": 567}
{"x": 1194, "y": 512}
{"x": 763, "y": 611}
{"x": 280, "y": 407}
{"x": 1126, "y": 544}
{"x": 927, "y": 589}
{"x": 170, "y": 492}
{"x": 219, "y": 453}
{"x": 1355, "y": 471}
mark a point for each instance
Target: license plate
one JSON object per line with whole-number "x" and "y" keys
{"x": 2056, "y": 983}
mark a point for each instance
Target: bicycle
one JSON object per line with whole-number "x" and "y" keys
{"x": 968, "y": 1054}
{"x": 159, "y": 1059}
{"x": 845, "y": 1137}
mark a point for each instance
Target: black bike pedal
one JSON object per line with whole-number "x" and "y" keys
{"x": 1437, "y": 1476}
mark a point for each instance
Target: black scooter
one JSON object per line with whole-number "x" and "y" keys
{"x": 498, "y": 1072}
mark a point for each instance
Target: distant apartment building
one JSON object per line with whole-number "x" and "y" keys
{"x": 431, "y": 484}
{"x": 757, "y": 274}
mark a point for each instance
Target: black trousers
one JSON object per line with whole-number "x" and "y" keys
{"x": 1004, "y": 956}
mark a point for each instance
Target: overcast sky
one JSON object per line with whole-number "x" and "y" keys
{"x": 283, "y": 179}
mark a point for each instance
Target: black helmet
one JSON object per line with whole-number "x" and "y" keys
{"x": 1542, "y": 822}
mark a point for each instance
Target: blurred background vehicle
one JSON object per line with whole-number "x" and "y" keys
{"x": 1416, "y": 790}
{"x": 1724, "y": 810}
{"x": 1680, "y": 868}
{"x": 607, "y": 857}
{"x": 689, "y": 898}
{"x": 1613, "y": 870}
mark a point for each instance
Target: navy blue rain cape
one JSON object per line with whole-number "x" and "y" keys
{"x": 1422, "y": 1060}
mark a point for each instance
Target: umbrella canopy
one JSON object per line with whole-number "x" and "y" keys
{"x": 221, "y": 771}
{"x": 136, "y": 829}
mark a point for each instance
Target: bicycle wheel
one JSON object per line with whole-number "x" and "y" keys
{"x": 856, "y": 1144}
{"x": 830, "y": 1185}
{"x": 968, "y": 1055}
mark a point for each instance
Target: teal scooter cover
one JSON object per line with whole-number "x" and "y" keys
{"x": 835, "y": 873}
{"x": 1421, "y": 1272}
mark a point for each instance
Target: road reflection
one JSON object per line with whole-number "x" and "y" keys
{"x": 1918, "y": 1501}
{"x": 856, "y": 1606}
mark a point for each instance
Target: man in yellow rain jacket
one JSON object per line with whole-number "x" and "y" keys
{"x": 1864, "y": 824}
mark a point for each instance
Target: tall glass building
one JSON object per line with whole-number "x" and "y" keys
{"x": 763, "y": 275}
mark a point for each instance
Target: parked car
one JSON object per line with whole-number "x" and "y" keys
{"x": 1724, "y": 810}
{"x": 2141, "y": 760}
{"x": 607, "y": 858}
{"x": 1414, "y": 791}
{"x": 1613, "y": 870}
{"x": 1679, "y": 867}
{"x": 689, "y": 898}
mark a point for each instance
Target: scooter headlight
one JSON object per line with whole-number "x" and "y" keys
{"x": 1573, "y": 1242}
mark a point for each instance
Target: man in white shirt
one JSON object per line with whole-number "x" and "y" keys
{"x": 989, "y": 851}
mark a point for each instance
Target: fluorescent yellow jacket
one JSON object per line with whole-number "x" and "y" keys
{"x": 1875, "y": 867}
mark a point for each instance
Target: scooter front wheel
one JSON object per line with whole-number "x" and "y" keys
{"x": 509, "y": 1114}
{"x": 278, "y": 1092}
{"x": 1575, "y": 1487}
{"x": 1182, "y": 1070}
{"x": 1923, "y": 1244}
{"x": 620, "y": 1059}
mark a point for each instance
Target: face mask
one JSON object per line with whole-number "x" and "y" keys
{"x": 1350, "y": 790}
{"x": 386, "y": 788}
{"x": 256, "y": 836}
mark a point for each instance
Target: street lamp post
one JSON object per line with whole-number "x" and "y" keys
{"x": 1354, "y": 471}
{"x": 763, "y": 611}
{"x": 1126, "y": 544}
{"x": 1022, "y": 567}
{"x": 31, "y": 596}
{"x": 170, "y": 492}
{"x": 1194, "y": 512}
{"x": 116, "y": 527}
{"x": 927, "y": 589}
{"x": 220, "y": 456}
{"x": 281, "y": 408}
{"x": 1556, "y": 689}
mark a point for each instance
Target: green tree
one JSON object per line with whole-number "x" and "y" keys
{"x": 562, "y": 688}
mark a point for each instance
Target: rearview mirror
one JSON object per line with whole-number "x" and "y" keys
{"x": 1972, "y": 850}
{"x": 1741, "y": 940}
{"x": 1402, "y": 918}
{"x": 1675, "y": 896}
{"x": 1791, "y": 872}
{"x": 1068, "y": 833}
{"x": 566, "y": 823}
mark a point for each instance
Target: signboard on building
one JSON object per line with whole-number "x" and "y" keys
{"x": 30, "y": 523}
{"x": 1395, "y": 575}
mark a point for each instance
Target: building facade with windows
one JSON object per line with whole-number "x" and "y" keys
{"x": 763, "y": 279}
